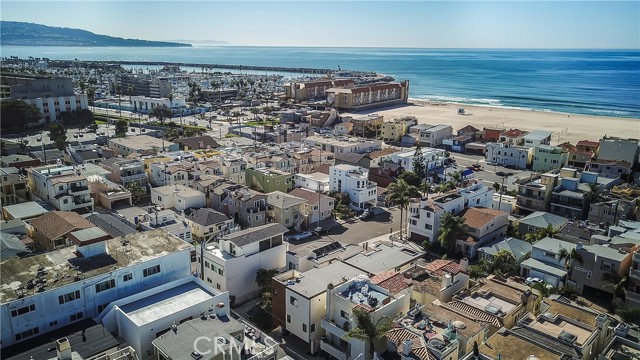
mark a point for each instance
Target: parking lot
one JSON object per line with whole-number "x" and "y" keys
{"x": 489, "y": 173}
{"x": 356, "y": 231}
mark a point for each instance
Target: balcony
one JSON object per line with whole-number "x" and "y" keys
{"x": 634, "y": 274}
{"x": 135, "y": 177}
{"x": 74, "y": 188}
{"x": 636, "y": 257}
{"x": 633, "y": 298}
{"x": 333, "y": 328}
{"x": 340, "y": 354}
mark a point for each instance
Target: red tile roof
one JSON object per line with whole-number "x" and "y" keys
{"x": 441, "y": 266}
{"x": 392, "y": 282}
{"x": 588, "y": 143}
{"x": 479, "y": 217}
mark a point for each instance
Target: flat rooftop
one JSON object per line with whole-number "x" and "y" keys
{"x": 509, "y": 346}
{"x": 361, "y": 292}
{"x": 313, "y": 282}
{"x": 25, "y": 210}
{"x": 383, "y": 257}
{"x": 61, "y": 267}
{"x": 560, "y": 328}
{"x": 165, "y": 303}
{"x": 489, "y": 303}
{"x": 141, "y": 142}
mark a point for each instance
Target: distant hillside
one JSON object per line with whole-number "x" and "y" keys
{"x": 28, "y": 34}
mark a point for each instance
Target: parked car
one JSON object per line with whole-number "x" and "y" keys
{"x": 365, "y": 215}
{"x": 301, "y": 236}
{"x": 320, "y": 230}
{"x": 532, "y": 280}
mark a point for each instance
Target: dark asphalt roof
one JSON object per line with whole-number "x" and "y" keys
{"x": 251, "y": 235}
{"x": 86, "y": 337}
{"x": 206, "y": 217}
{"x": 111, "y": 224}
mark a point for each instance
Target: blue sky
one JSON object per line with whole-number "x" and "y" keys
{"x": 429, "y": 24}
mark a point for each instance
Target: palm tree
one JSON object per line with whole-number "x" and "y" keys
{"x": 618, "y": 283}
{"x": 368, "y": 330}
{"x": 119, "y": 93}
{"x": 401, "y": 193}
{"x": 424, "y": 189}
{"x": 136, "y": 190}
{"x": 541, "y": 233}
{"x": 569, "y": 257}
{"x": 543, "y": 289}
{"x": 170, "y": 97}
{"x": 451, "y": 227}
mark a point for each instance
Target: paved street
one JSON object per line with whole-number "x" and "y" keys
{"x": 488, "y": 173}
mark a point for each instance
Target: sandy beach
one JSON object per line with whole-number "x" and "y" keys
{"x": 565, "y": 127}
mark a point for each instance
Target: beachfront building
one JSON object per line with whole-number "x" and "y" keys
{"x": 615, "y": 157}
{"x": 62, "y": 186}
{"x": 581, "y": 153}
{"x": 366, "y": 96}
{"x": 340, "y": 145}
{"x": 393, "y": 131}
{"x": 537, "y": 137}
{"x": 231, "y": 263}
{"x": 314, "y": 89}
{"x": 572, "y": 197}
{"x": 52, "y": 95}
{"x": 433, "y": 136}
{"x": 507, "y": 155}
{"x": 141, "y": 144}
{"x": 367, "y": 125}
{"x": 513, "y": 136}
{"x": 545, "y": 158}
{"x": 103, "y": 271}
{"x": 355, "y": 182}
{"x": 433, "y": 158}
{"x": 424, "y": 215}
{"x": 138, "y": 85}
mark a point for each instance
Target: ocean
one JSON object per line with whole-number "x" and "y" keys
{"x": 591, "y": 82}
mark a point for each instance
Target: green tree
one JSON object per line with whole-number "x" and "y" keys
{"x": 418, "y": 163}
{"x": 411, "y": 178}
{"x": 263, "y": 279}
{"x": 17, "y": 113}
{"x": 136, "y": 190}
{"x": 368, "y": 330}
{"x": 616, "y": 282}
{"x": 496, "y": 187}
{"x": 424, "y": 189}
{"x": 451, "y": 228}
{"x": 121, "y": 128}
{"x": 161, "y": 112}
{"x": 503, "y": 263}
{"x": 543, "y": 289}
{"x": 569, "y": 257}
{"x": 540, "y": 234}
{"x": 401, "y": 193}
{"x": 58, "y": 134}
{"x": 255, "y": 111}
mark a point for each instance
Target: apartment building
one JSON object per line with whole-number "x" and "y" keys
{"x": 477, "y": 195}
{"x": 246, "y": 207}
{"x": 615, "y": 157}
{"x": 102, "y": 272}
{"x": 433, "y": 158}
{"x": 367, "y": 96}
{"x": 572, "y": 197}
{"x": 51, "y": 229}
{"x": 269, "y": 180}
{"x": 545, "y": 262}
{"x": 62, "y": 186}
{"x": 424, "y": 215}
{"x": 355, "y": 182}
{"x": 545, "y": 158}
{"x": 142, "y": 85}
{"x": 366, "y": 126}
{"x": 394, "y": 130}
{"x": 177, "y": 197}
{"x": 172, "y": 173}
{"x": 314, "y": 89}
{"x": 231, "y": 263}
{"x": 359, "y": 293}
{"x": 535, "y": 194}
{"x": 285, "y": 209}
{"x": 317, "y": 207}
{"x": 537, "y": 137}
{"x": 141, "y": 144}
{"x": 315, "y": 181}
{"x": 439, "y": 279}
{"x": 127, "y": 172}
{"x": 299, "y": 299}
{"x": 53, "y": 95}
{"x": 507, "y": 155}
{"x": 433, "y": 136}
{"x": 83, "y": 154}
{"x": 13, "y": 187}
{"x": 484, "y": 225}
{"x": 208, "y": 224}
{"x": 340, "y": 145}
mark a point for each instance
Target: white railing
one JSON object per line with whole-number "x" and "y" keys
{"x": 333, "y": 351}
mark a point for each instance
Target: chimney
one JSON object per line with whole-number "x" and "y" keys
{"x": 464, "y": 264}
{"x": 447, "y": 280}
{"x": 406, "y": 347}
{"x": 63, "y": 349}
{"x": 221, "y": 310}
{"x": 328, "y": 301}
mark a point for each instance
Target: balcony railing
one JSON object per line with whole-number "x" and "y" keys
{"x": 134, "y": 177}
{"x": 333, "y": 328}
{"x": 634, "y": 274}
{"x": 636, "y": 256}
{"x": 633, "y": 297}
{"x": 74, "y": 188}
{"x": 337, "y": 353}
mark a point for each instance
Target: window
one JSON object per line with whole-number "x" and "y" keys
{"x": 23, "y": 310}
{"x": 76, "y": 316}
{"x": 289, "y": 318}
{"x": 221, "y": 271}
{"x": 53, "y": 323}
{"x": 65, "y": 201}
{"x": 218, "y": 286}
{"x": 151, "y": 271}
{"x": 344, "y": 314}
{"x": 209, "y": 280}
{"x": 304, "y": 328}
{"x": 605, "y": 265}
{"x": 589, "y": 273}
{"x": 74, "y": 295}
{"x": 127, "y": 277}
{"x": 102, "y": 307}
{"x": 105, "y": 285}
{"x": 26, "y": 334}
{"x": 312, "y": 329}
{"x": 293, "y": 301}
